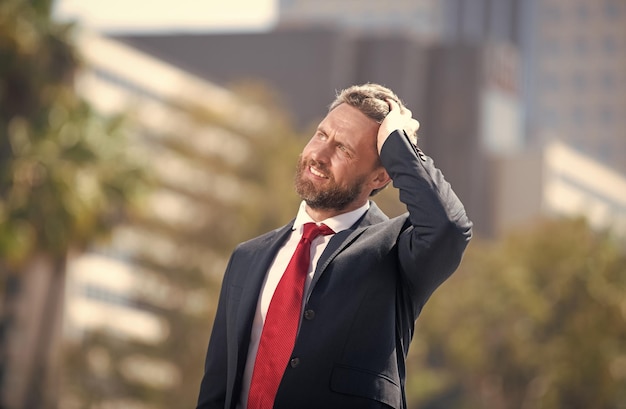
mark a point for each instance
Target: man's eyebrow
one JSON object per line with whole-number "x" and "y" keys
{"x": 347, "y": 145}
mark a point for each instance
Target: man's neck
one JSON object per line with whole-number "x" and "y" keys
{"x": 322, "y": 214}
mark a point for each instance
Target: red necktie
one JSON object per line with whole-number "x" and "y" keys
{"x": 281, "y": 323}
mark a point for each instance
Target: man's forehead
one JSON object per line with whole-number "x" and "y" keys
{"x": 345, "y": 116}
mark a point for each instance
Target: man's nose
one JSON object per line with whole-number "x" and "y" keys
{"x": 321, "y": 152}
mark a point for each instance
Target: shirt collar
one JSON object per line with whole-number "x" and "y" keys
{"x": 337, "y": 223}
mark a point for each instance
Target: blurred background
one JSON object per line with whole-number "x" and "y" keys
{"x": 141, "y": 141}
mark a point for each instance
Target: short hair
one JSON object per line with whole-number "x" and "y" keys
{"x": 370, "y": 99}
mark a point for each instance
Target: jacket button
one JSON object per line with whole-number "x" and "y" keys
{"x": 309, "y": 314}
{"x": 294, "y": 362}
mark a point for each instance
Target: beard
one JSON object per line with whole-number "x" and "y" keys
{"x": 329, "y": 197}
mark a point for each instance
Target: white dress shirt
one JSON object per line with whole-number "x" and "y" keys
{"x": 275, "y": 273}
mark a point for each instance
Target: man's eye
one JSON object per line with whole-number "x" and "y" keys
{"x": 344, "y": 150}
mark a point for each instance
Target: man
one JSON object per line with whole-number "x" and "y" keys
{"x": 343, "y": 340}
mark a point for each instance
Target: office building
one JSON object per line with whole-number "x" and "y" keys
{"x": 572, "y": 56}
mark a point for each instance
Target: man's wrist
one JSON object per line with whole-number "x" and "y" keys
{"x": 382, "y": 140}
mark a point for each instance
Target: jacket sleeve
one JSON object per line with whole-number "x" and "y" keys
{"x": 438, "y": 230}
{"x": 213, "y": 387}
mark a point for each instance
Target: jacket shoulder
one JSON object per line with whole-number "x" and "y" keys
{"x": 263, "y": 240}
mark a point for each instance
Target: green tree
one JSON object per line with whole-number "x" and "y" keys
{"x": 536, "y": 320}
{"x": 65, "y": 179}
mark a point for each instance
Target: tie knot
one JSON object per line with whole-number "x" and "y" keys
{"x": 312, "y": 230}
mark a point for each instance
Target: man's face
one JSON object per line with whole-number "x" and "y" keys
{"x": 338, "y": 167}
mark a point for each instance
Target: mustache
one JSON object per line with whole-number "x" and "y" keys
{"x": 318, "y": 165}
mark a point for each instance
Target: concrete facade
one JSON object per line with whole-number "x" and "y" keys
{"x": 445, "y": 86}
{"x": 558, "y": 181}
{"x": 573, "y": 56}
{"x": 469, "y": 97}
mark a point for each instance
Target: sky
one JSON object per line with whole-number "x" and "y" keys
{"x": 178, "y": 15}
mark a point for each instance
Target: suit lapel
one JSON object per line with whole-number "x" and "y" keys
{"x": 259, "y": 264}
{"x": 342, "y": 239}
{"x": 266, "y": 251}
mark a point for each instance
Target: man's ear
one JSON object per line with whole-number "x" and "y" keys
{"x": 381, "y": 178}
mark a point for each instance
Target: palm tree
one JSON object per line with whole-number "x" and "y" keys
{"x": 65, "y": 178}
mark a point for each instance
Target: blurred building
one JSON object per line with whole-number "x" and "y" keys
{"x": 156, "y": 96}
{"x": 472, "y": 115}
{"x": 469, "y": 94}
{"x": 573, "y": 56}
{"x": 420, "y": 17}
{"x": 100, "y": 287}
{"x": 557, "y": 180}
{"x": 118, "y": 288}
{"x": 575, "y": 76}
{"x": 447, "y": 20}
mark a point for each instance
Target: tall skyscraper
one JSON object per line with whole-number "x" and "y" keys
{"x": 451, "y": 20}
{"x": 423, "y": 17}
{"x": 572, "y": 56}
{"x": 575, "y": 76}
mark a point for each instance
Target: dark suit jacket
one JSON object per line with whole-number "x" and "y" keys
{"x": 369, "y": 287}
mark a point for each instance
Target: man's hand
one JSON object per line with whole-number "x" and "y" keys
{"x": 398, "y": 118}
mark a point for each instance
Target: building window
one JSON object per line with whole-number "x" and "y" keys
{"x": 612, "y": 9}
{"x": 551, "y": 48}
{"x": 550, "y": 117}
{"x": 550, "y": 82}
{"x": 605, "y": 151}
{"x": 607, "y": 115}
{"x": 579, "y": 116}
{"x": 581, "y": 46}
{"x": 580, "y": 81}
{"x": 608, "y": 81}
{"x": 610, "y": 45}
{"x": 551, "y": 13}
{"x": 582, "y": 12}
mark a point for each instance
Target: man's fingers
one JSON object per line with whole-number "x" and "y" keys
{"x": 402, "y": 110}
{"x": 393, "y": 105}
{"x": 399, "y": 117}
{"x": 415, "y": 124}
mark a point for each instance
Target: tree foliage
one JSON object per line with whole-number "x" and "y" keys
{"x": 65, "y": 174}
{"x": 536, "y": 320}
{"x": 66, "y": 177}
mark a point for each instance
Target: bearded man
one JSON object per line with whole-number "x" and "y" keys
{"x": 320, "y": 313}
